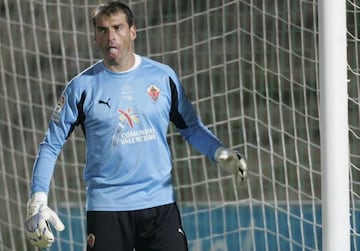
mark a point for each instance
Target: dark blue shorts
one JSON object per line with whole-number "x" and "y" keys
{"x": 151, "y": 229}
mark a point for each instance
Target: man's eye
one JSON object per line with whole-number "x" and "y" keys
{"x": 101, "y": 30}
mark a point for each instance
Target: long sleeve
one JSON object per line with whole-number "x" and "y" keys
{"x": 65, "y": 116}
{"x": 189, "y": 125}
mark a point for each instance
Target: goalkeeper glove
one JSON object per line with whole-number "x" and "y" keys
{"x": 232, "y": 162}
{"x": 38, "y": 217}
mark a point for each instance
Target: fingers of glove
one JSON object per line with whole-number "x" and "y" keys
{"x": 242, "y": 164}
{"x": 52, "y": 218}
{"x": 241, "y": 176}
{"x": 242, "y": 171}
{"x": 41, "y": 236}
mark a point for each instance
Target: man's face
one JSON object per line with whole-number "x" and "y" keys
{"x": 115, "y": 39}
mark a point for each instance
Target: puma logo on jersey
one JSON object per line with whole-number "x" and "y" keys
{"x": 107, "y": 103}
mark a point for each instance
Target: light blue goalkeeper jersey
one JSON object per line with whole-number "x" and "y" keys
{"x": 125, "y": 118}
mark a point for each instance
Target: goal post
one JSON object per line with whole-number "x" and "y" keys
{"x": 252, "y": 69}
{"x": 334, "y": 125}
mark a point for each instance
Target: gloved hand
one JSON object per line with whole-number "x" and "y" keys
{"x": 232, "y": 162}
{"x": 38, "y": 217}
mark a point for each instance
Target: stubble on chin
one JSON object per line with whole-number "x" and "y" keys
{"x": 112, "y": 62}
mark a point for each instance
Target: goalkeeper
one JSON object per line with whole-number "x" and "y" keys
{"x": 124, "y": 104}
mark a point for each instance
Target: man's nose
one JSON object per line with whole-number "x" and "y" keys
{"x": 111, "y": 34}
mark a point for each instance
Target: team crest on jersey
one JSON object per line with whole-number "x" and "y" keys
{"x": 91, "y": 240}
{"x": 153, "y": 91}
{"x": 58, "y": 108}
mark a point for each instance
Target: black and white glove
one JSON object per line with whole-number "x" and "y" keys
{"x": 232, "y": 162}
{"x": 38, "y": 217}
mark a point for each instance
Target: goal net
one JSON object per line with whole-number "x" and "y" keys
{"x": 251, "y": 69}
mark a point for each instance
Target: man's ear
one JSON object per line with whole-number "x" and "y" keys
{"x": 133, "y": 32}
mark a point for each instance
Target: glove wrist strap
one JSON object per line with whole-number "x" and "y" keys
{"x": 39, "y": 197}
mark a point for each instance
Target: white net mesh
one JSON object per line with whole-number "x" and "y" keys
{"x": 251, "y": 69}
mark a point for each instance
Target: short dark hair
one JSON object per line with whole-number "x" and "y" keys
{"x": 111, "y": 8}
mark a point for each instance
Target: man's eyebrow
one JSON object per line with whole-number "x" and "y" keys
{"x": 111, "y": 26}
{"x": 119, "y": 25}
{"x": 101, "y": 26}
